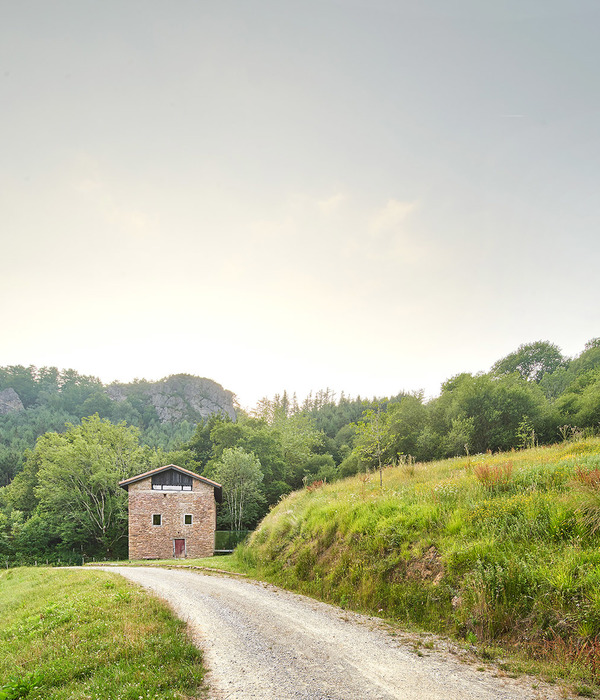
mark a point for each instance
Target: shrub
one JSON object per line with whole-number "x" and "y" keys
{"x": 588, "y": 484}
{"x": 493, "y": 476}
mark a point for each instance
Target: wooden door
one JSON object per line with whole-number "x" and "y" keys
{"x": 179, "y": 548}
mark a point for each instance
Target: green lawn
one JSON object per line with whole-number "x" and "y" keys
{"x": 67, "y": 634}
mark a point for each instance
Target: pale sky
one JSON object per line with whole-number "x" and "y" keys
{"x": 367, "y": 195}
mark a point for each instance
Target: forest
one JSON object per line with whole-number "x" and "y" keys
{"x": 65, "y": 443}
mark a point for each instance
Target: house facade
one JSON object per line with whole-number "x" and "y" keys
{"x": 172, "y": 513}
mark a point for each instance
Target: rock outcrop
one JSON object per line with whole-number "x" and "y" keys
{"x": 179, "y": 397}
{"x": 10, "y": 402}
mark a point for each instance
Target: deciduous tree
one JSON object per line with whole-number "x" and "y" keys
{"x": 531, "y": 360}
{"x": 240, "y": 475}
{"x": 77, "y": 481}
{"x": 372, "y": 438}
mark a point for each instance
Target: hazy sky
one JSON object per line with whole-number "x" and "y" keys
{"x": 367, "y": 195}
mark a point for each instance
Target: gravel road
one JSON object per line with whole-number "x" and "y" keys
{"x": 263, "y": 642}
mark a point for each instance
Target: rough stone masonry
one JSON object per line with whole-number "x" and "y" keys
{"x": 157, "y": 518}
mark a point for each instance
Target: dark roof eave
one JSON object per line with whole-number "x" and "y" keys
{"x": 217, "y": 487}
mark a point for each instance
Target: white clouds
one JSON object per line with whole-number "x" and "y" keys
{"x": 102, "y": 201}
{"x": 336, "y": 238}
{"x": 268, "y": 231}
{"x": 326, "y": 261}
{"x": 390, "y": 236}
{"x": 331, "y": 204}
{"x": 390, "y": 217}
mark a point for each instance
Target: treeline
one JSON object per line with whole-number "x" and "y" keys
{"x": 58, "y": 463}
{"x": 52, "y": 398}
{"x": 64, "y": 502}
{"x": 534, "y": 395}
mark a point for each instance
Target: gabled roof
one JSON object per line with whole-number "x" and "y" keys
{"x": 132, "y": 479}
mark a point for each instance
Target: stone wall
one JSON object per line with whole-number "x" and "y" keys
{"x": 148, "y": 541}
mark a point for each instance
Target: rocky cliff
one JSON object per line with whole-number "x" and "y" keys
{"x": 179, "y": 397}
{"x": 10, "y": 402}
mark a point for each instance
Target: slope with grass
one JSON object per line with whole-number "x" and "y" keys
{"x": 501, "y": 550}
{"x": 89, "y": 634}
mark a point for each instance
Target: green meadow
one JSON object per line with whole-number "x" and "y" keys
{"x": 69, "y": 634}
{"x": 499, "y": 550}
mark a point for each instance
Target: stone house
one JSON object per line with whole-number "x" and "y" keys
{"x": 172, "y": 513}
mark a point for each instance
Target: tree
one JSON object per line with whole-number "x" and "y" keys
{"x": 372, "y": 437}
{"x": 10, "y": 463}
{"x": 485, "y": 412}
{"x": 406, "y": 420}
{"x": 240, "y": 475}
{"x": 201, "y": 444}
{"x": 532, "y": 361}
{"x": 262, "y": 440}
{"x": 299, "y": 442}
{"x": 78, "y": 481}
{"x": 580, "y": 404}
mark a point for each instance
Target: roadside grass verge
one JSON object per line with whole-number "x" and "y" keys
{"x": 67, "y": 634}
{"x": 501, "y": 551}
{"x": 225, "y": 562}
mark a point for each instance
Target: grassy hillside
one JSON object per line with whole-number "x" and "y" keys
{"x": 498, "y": 549}
{"x": 88, "y": 634}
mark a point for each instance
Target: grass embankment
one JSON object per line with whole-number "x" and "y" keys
{"x": 500, "y": 550}
{"x": 89, "y": 634}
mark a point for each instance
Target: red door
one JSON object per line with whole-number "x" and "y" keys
{"x": 179, "y": 549}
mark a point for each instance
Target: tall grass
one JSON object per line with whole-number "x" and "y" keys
{"x": 88, "y": 634}
{"x": 502, "y": 549}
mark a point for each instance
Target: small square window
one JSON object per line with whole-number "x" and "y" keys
{"x": 157, "y": 519}
{"x": 187, "y": 519}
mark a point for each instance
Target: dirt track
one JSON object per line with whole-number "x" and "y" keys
{"x": 266, "y": 643}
